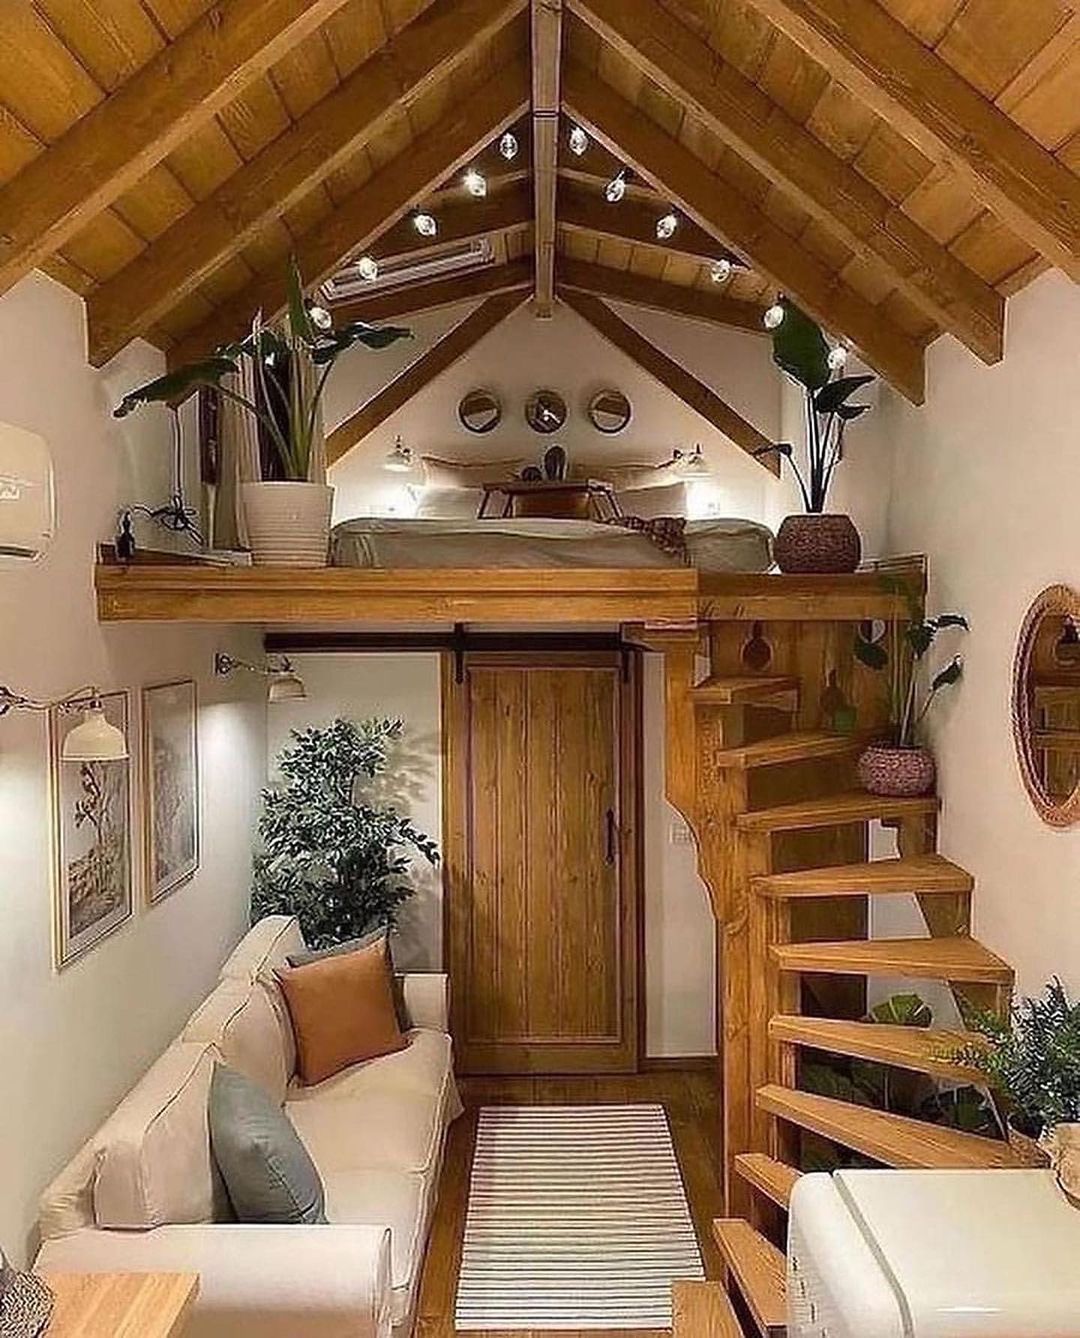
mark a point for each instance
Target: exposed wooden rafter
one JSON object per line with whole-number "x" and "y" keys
{"x": 888, "y": 68}
{"x": 452, "y": 346}
{"x": 116, "y": 143}
{"x": 674, "y": 57}
{"x": 670, "y": 374}
{"x": 219, "y": 227}
{"x": 546, "y": 18}
{"x": 717, "y": 205}
{"x": 410, "y": 298}
{"x": 377, "y": 205}
{"x": 673, "y": 298}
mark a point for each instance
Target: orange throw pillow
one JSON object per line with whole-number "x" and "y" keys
{"x": 342, "y": 1011}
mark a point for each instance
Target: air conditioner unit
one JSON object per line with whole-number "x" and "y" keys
{"x": 933, "y": 1254}
{"x": 27, "y": 506}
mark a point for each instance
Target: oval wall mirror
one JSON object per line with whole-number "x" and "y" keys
{"x": 609, "y": 411}
{"x": 1046, "y": 705}
{"x": 480, "y": 411}
{"x": 545, "y": 411}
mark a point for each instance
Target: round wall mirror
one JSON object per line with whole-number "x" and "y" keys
{"x": 480, "y": 411}
{"x": 1046, "y": 705}
{"x": 545, "y": 411}
{"x": 609, "y": 411}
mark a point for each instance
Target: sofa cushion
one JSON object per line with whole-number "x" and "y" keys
{"x": 422, "y": 1067}
{"x": 395, "y": 1199}
{"x": 264, "y": 948}
{"x": 382, "y": 935}
{"x": 240, "y": 1020}
{"x": 153, "y": 1152}
{"x": 393, "y": 1129}
{"x": 266, "y": 1168}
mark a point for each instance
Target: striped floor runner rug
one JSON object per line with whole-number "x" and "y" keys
{"x": 577, "y": 1219}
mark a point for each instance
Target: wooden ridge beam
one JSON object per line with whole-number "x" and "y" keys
{"x": 694, "y": 393}
{"x": 116, "y": 143}
{"x": 674, "y": 57}
{"x": 546, "y": 26}
{"x": 718, "y": 206}
{"x": 922, "y": 97}
{"x": 460, "y": 220}
{"x": 673, "y": 298}
{"x": 452, "y": 346}
{"x": 219, "y": 227}
{"x": 413, "y": 297}
{"x": 374, "y": 207}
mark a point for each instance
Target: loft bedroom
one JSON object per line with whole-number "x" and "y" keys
{"x": 539, "y": 667}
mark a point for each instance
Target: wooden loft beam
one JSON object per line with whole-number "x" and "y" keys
{"x": 546, "y": 24}
{"x": 717, "y": 205}
{"x": 673, "y": 298}
{"x": 411, "y": 298}
{"x": 452, "y": 346}
{"x": 669, "y": 373}
{"x": 374, "y": 207}
{"x": 674, "y": 57}
{"x": 461, "y": 220}
{"x": 107, "y": 151}
{"x": 922, "y": 97}
{"x": 219, "y": 227}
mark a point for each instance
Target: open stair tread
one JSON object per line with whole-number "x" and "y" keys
{"x": 759, "y": 1269}
{"x": 775, "y": 1179}
{"x": 954, "y": 959}
{"x": 794, "y": 747}
{"x": 893, "y": 1140}
{"x": 921, "y": 1049}
{"x": 744, "y": 690}
{"x": 923, "y": 874}
{"x": 702, "y": 1310}
{"x": 833, "y": 810}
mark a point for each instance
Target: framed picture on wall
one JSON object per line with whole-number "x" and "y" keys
{"x": 93, "y": 869}
{"x": 171, "y": 791}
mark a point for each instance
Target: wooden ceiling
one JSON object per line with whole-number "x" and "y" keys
{"x": 897, "y": 167}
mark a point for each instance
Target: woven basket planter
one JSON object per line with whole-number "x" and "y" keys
{"x": 896, "y": 773}
{"x": 822, "y": 544}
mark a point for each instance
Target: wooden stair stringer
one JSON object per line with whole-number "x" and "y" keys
{"x": 759, "y": 1270}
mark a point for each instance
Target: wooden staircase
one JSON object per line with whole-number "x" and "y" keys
{"x": 783, "y": 843}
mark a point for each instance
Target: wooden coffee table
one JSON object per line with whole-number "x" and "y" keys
{"x": 587, "y": 499}
{"x": 120, "y": 1305}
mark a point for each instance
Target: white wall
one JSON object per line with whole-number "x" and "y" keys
{"x": 72, "y": 1043}
{"x": 987, "y": 482}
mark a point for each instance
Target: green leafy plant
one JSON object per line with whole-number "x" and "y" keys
{"x": 290, "y": 361}
{"x": 803, "y": 353}
{"x": 910, "y": 695}
{"x": 331, "y": 856}
{"x": 903, "y": 1010}
{"x": 1032, "y": 1064}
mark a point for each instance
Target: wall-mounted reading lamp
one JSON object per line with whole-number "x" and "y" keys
{"x": 92, "y": 740}
{"x": 285, "y": 683}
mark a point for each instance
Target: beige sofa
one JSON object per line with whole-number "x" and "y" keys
{"x": 143, "y": 1194}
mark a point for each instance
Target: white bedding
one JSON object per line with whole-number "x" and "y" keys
{"x": 713, "y": 545}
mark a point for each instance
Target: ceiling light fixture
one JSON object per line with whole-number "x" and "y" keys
{"x": 616, "y": 187}
{"x": 578, "y": 141}
{"x": 508, "y": 145}
{"x": 285, "y": 683}
{"x": 425, "y": 224}
{"x": 838, "y": 356}
{"x": 475, "y": 183}
{"x": 400, "y": 459}
{"x": 774, "y": 317}
{"x": 94, "y": 739}
{"x": 720, "y": 271}
{"x": 368, "y": 268}
{"x": 665, "y": 226}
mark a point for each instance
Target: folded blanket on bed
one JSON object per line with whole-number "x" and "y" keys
{"x": 668, "y": 533}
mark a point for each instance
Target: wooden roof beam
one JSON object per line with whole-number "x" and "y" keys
{"x": 410, "y": 298}
{"x": 718, "y": 206}
{"x": 694, "y": 393}
{"x": 673, "y": 298}
{"x": 374, "y": 207}
{"x": 219, "y": 227}
{"x": 546, "y": 23}
{"x": 923, "y": 97}
{"x": 460, "y": 220}
{"x": 674, "y": 57}
{"x": 107, "y": 151}
{"x": 443, "y": 354}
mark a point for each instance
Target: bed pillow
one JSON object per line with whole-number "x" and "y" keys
{"x": 460, "y": 474}
{"x": 652, "y": 503}
{"x": 449, "y": 503}
{"x": 305, "y": 958}
{"x": 629, "y": 477}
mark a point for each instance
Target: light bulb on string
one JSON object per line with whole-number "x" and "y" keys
{"x": 578, "y": 141}
{"x": 774, "y": 317}
{"x": 720, "y": 271}
{"x": 616, "y": 187}
{"x": 425, "y": 224}
{"x": 837, "y": 357}
{"x": 368, "y": 268}
{"x": 475, "y": 183}
{"x": 508, "y": 145}
{"x": 666, "y": 225}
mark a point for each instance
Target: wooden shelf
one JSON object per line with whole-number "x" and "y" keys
{"x": 797, "y": 747}
{"x": 884, "y": 877}
{"x": 921, "y": 1049}
{"x": 775, "y": 1179}
{"x": 956, "y": 959}
{"x": 833, "y": 811}
{"x": 759, "y": 1270}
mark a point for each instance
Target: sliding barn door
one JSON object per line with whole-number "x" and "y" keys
{"x": 542, "y": 911}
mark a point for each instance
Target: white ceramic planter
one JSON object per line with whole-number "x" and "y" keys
{"x": 288, "y": 523}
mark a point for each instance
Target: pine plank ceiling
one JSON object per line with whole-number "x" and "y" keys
{"x": 898, "y": 167}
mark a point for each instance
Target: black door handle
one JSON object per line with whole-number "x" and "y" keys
{"x": 612, "y": 837}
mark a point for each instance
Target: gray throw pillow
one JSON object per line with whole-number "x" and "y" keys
{"x": 267, "y": 1170}
{"x": 397, "y": 989}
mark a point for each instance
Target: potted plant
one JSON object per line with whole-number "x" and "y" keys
{"x": 819, "y": 541}
{"x": 288, "y": 510}
{"x": 1032, "y": 1067}
{"x": 899, "y": 765}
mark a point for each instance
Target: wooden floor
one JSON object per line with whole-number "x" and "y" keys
{"x": 691, "y": 1102}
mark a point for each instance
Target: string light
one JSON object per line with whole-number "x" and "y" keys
{"x": 475, "y": 183}
{"x": 508, "y": 145}
{"x": 579, "y": 140}
{"x": 720, "y": 271}
{"x": 774, "y": 317}
{"x": 616, "y": 187}
{"x": 837, "y": 358}
{"x": 425, "y": 224}
{"x": 368, "y": 268}
{"x": 665, "y": 227}
{"x": 320, "y": 317}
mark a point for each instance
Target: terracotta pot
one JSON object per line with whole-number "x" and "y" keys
{"x": 827, "y": 544}
{"x": 1027, "y": 1150}
{"x": 898, "y": 773}
{"x": 288, "y": 523}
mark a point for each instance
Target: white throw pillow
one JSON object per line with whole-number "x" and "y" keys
{"x": 462, "y": 474}
{"x": 449, "y": 504}
{"x": 652, "y": 503}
